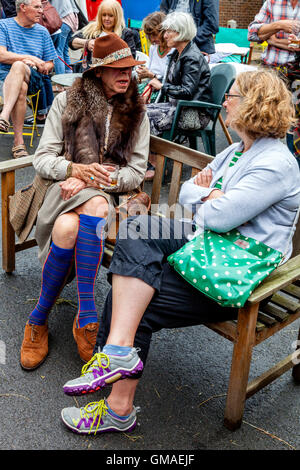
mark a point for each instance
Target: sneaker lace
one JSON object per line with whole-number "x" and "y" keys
{"x": 95, "y": 409}
{"x": 98, "y": 357}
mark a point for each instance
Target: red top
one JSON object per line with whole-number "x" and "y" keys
{"x": 92, "y": 8}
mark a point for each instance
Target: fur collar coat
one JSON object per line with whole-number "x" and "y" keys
{"x": 85, "y": 117}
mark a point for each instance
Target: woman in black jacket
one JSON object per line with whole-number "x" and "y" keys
{"x": 187, "y": 78}
{"x": 109, "y": 19}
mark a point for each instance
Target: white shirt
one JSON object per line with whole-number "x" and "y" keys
{"x": 158, "y": 64}
{"x": 183, "y": 5}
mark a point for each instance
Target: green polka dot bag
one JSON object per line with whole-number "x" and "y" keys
{"x": 226, "y": 267}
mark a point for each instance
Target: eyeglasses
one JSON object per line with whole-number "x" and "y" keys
{"x": 228, "y": 96}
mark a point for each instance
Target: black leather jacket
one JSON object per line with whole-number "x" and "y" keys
{"x": 191, "y": 77}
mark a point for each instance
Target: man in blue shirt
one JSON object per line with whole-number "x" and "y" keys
{"x": 26, "y": 56}
{"x": 206, "y": 17}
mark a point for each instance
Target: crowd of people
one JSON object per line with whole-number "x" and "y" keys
{"x": 106, "y": 117}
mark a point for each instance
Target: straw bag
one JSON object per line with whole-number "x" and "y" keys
{"x": 25, "y": 204}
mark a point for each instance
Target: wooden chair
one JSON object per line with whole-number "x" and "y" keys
{"x": 258, "y": 320}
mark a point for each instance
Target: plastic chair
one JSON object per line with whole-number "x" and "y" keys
{"x": 222, "y": 77}
{"x": 29, "y": 130}
{"x": 142, "y": 56}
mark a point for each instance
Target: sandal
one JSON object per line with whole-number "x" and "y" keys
{"x": 4, "y": 125}
{"x": 19, "y": 151}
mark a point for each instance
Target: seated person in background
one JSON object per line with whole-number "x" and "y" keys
{"x": 100, "y": 119}
{"x": 158, "y": 53}
{"x": 26, "y": 54}
{"x": 147, "y": 294}
{"x": 109, "y": 19}
{"x": 187, "y": 78}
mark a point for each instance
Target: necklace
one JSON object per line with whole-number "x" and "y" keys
{"x": 160, "y": 52}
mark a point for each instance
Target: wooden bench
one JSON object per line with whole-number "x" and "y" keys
{"x": 256, "y": 321}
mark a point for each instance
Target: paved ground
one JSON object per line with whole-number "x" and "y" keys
{"x": 182, "y": 393}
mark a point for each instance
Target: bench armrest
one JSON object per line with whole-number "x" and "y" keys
{"x": 197, "y": 104}
{"x": 279, "y": 278}
{"x": 12, "y": 165}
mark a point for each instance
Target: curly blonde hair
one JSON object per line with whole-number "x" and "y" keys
{"x": 266, "y": 108}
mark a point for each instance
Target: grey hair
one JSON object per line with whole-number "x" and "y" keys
{"x": 19, "y": 2}
{"x": 182, "y": 23}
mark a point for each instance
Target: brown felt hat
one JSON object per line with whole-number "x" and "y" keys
{"x": 111, "y": 51}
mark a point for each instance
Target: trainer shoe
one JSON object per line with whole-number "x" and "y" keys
{"x": 30, "y": 120}
{"x": 96, "y": 418}
{"x": 103, "y": 370}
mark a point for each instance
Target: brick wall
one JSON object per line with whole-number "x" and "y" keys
{"x": 242, "y": 11}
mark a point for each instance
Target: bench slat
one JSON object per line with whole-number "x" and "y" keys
{"x": 292, "y": 290}
{"x": 291, "y": 305}
{"x": 278, "y": 279}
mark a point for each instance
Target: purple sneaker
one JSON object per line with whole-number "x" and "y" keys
{"x": 104, "y": 370}
{"x": 96, "y": 418}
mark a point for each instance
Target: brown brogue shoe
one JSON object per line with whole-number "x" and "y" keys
{"x": 34, "y": 348}
{"x": 85, "y": 338}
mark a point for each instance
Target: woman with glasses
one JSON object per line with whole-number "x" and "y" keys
{"x": 253, "y": 186}
{"x": 187, "y": 78}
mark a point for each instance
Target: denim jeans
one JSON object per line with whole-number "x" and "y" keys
{"x": 62, "y": 49}
{"x": 46, "y": 96}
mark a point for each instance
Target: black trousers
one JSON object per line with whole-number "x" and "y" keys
{"x": 143, "y": 244}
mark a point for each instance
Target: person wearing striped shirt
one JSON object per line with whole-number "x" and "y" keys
{"x": 26, "y": 57}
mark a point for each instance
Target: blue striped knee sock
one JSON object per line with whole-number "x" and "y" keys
{"x": 88, "y": 256}
{"x": 55, "y": 270}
